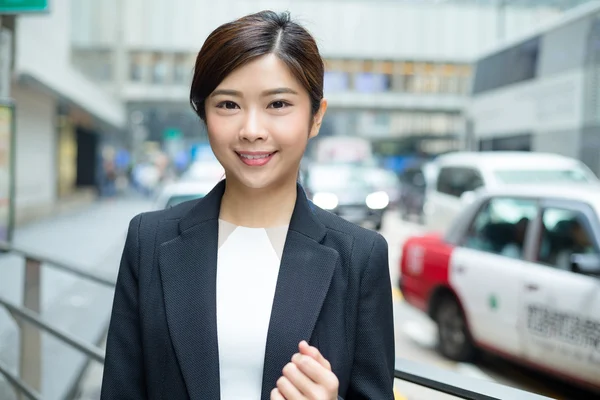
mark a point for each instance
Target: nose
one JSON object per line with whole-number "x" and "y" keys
{"x": 253, "y": 129}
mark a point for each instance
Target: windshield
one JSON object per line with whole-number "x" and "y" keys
{"x": 333, "y": 178}
{"x": 543, "y": 176}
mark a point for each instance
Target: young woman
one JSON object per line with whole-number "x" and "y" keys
{"x": 253, "y": 292}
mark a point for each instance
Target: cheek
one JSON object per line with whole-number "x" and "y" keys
{"x": 219, "y": 132}
{"x": 291, "y": 133}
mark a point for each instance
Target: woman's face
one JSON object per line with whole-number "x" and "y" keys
{"x": 259, "y": 122}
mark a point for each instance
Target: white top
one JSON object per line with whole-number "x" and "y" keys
{"x": 247, "y": 270}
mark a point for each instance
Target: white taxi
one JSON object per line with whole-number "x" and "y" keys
{"x": 454, "y": 177}
{"x": 517, "y": 274}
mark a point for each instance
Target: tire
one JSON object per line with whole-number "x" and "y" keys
{"x": 454, "y": 339}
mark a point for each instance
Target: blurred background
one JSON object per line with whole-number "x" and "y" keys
{"x": 433, "y": 105}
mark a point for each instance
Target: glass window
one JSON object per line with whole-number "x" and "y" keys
{"x": 500, "y": 227}
{"x": 136, "y": 67}
{"x": 159, "y": 69}
{"x": 455, "y": 181}
{"x": 182, "y": 70}
{"x": 564, "y": 233}
{"x": 367, "y": 82}
{"x": 513, "y": 65}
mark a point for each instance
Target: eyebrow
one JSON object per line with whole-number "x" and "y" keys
{"x": 270, "y": 92}
{"x": 226, "y": 92}
{"x": 282, "y": 90}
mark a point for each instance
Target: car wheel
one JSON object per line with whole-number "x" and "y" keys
{"x": 454, "y": 338}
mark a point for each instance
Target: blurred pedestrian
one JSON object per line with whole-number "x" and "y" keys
{"x": 253, "y": 292}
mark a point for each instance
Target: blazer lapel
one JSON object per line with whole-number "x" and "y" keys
{"x": 305, "y": 274}
{"x": 188, "y": 270}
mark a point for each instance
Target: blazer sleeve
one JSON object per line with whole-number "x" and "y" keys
{"x": 124, "y": 365}
{"x": 372, "y": 374}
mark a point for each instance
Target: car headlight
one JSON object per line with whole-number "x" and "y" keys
{"x": 378, "y": 200}
{"x": 327, "y": 201}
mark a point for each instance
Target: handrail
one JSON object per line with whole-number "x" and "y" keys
{"x": 91, "y": 351}
{"x": 58, "y": 265}
{"x": 18, "y": 383}
{"x": 29, "y": 383}
{"x": 458, "y": 385}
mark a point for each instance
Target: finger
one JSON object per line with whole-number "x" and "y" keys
{"x": 288, "y": 390}
{"x": 314, "y": 370}
{"x": 276, "y": 395}
{"x": 313, "y": 352}
{"x": 302, "y": 382}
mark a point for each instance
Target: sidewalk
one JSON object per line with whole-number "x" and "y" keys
{"x": 91, "y": 239}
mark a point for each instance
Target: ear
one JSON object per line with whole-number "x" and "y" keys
{"x": 318, "y": 119}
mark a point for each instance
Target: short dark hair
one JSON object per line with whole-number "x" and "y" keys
{"x": 236, "y": 43}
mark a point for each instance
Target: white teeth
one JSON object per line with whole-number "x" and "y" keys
{"x": 249, "y": 157}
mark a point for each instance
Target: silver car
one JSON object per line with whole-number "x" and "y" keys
{"x": 344, "y": 189}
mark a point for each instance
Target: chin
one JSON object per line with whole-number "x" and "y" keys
{"x": 255, "y": 182}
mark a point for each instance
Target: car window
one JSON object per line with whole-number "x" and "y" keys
{"x": 564, "y": 233}
{"x": 455, "y": 181}
{"x": 500, "y": 226}
{"x": 336, "y": 177}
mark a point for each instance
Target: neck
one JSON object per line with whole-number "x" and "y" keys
{"x": 258, "y": 208}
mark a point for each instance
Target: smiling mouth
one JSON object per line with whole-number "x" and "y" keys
{"x": 257, "y": 159}
{"x": 255, "y": 156}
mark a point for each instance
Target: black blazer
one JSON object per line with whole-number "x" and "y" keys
{"x": 333, "y": 290}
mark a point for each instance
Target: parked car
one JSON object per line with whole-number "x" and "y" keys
{"x": 459, "y": 174}
{"x": 412, "y": 192}
{"x": 516, "y": 274}
{"x": 387, "y": 181}
{"x": 345, "y": 190}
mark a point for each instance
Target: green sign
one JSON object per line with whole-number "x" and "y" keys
{"x": 23, "y": 6}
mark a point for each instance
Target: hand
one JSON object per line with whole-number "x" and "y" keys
{"x": 307, "y": 377}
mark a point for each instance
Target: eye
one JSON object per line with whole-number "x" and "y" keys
{"x": 228, "y": 105}
{"x": 279, "y": 104}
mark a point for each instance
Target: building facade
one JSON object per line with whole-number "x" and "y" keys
{"x": 549, "y": 100}
{"x": 62, "y": 116}
{"x": 396, "y": 70}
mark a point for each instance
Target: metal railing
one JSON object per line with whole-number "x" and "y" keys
{"x": 456, "y": 385}
{"x": 28, "y": 382}
{"x": 31, "y": 325}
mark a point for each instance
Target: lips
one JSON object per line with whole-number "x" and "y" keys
{"x": 256, "y": 158}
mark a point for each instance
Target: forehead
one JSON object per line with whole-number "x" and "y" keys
{"x": 265, "y": 72}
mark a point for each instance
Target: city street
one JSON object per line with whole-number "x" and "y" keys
{"x": 93, "y": 239}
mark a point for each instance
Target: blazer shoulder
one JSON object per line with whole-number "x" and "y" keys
{"x": 149, "y": 221}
